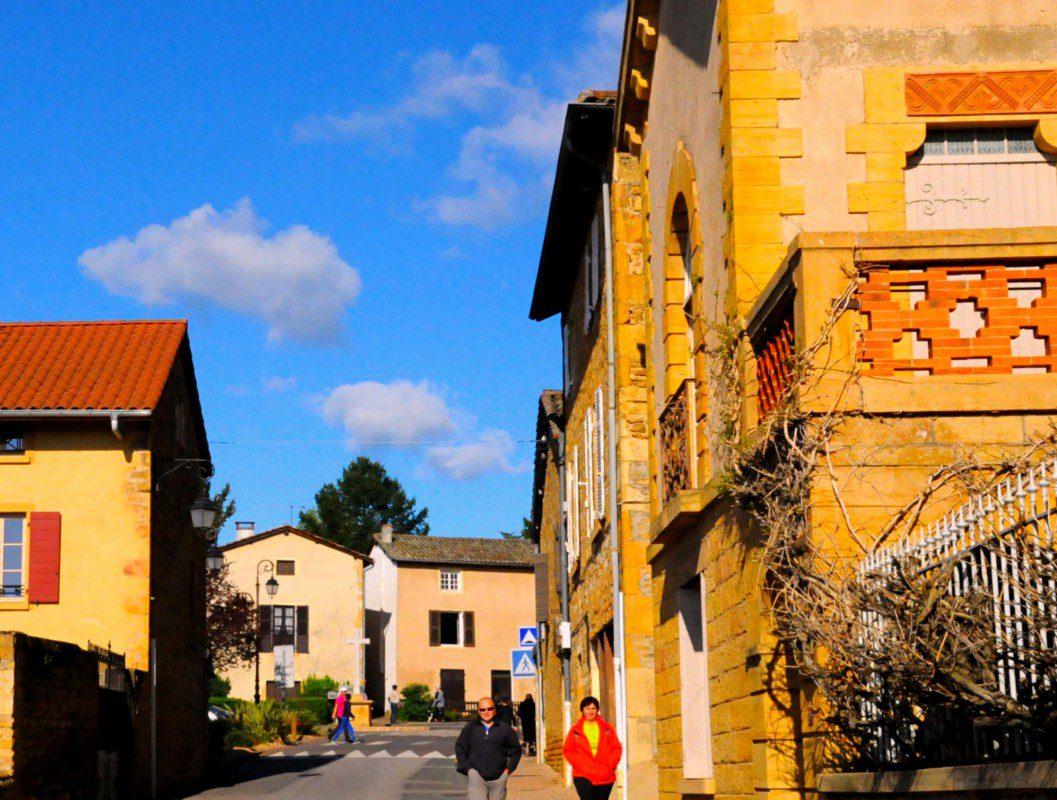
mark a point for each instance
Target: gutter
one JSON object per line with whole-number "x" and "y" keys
{"x": 52, "y": 413}
{"x": 619, "y": 661}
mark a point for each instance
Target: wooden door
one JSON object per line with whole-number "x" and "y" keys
{"x": 453, "y": 684}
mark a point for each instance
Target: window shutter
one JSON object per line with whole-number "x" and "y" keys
{"x": 301, "y": 643}
{"x": 45, "y": 534}
{"x": 434, "y": 629}
{"x": 600, "y": 455}
{"x": 467, "y": 629}
{"x": 264, "y": 628}
{"x": 589, "y": 470}
{"x": 575, "y": 549}
{"x": 543, "y": 591}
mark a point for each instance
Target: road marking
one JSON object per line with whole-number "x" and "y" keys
{"x": 382, "y": 754}
{"x": 302, "y": 754}
{"x": 435, "y": 754}
{"x": 330, "y": 753}
{"x": 407, "y": 754}
{"x": 356, "y": 754}
{"x": 280, "y": 754}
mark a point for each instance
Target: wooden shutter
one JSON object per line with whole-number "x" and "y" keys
{"x": 301, "y": 642}
{"x": 589, "y": 467}
{"x": 542, "y": 588}
{"x": 467, "y": 629}
{"x": 600, "y": 454}
{"x": 264, "y": 628}
{"x": 45, "y": 535}
{"x": 434, "y": 629}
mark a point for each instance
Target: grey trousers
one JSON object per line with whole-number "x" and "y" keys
{"x": 480, "y": 789}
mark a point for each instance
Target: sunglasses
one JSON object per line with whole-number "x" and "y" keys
{"x": 486, "y": 708}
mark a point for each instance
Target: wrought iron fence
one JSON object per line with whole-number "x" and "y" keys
{"x": 991, "y": 546}
{"x": 674, "y": 428}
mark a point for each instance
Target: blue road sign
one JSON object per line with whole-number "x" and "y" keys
{"x": 522, "y": 663}
{"x": 526, "y": 637}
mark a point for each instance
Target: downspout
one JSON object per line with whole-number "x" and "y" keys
{"x": 619, "y": 662}
{"x": 115, "y": 425}
{"x": 364, "y": 634}
{"x": 563, "y": 568}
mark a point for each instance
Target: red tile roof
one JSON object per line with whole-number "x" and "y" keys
{"x": 86, "y": 365}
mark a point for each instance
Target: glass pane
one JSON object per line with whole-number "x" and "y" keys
{"x": 1021, "y": 140}
{"x": 12, "y": 586}
{"x": 12, "y": 530}
{"x": 13, "y": 557}
{"x": 991, "y": 140}
{"x": 934, "y": 143}
{"x": 960, "y": 142}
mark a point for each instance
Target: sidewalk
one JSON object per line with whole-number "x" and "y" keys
{"x": 534, "y": 781}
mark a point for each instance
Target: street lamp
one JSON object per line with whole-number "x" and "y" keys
{"x": 214, "y": 559}
{"x": 271, "y": 586}
{"x": 203, "y": 512}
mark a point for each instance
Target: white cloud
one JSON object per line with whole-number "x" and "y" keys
{"x": 279, "y": 385}
{"x": 294, "y": 280}
{"x": 467, "y": 462}
{"x": 400, "y": 412}
{"x": 516, "y": 124}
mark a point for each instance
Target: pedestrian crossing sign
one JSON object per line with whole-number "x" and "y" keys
{"x": 522, "y": 663}
{"x": 526, "y": 637}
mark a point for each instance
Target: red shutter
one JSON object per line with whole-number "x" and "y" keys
{"x": 45, "y": 534}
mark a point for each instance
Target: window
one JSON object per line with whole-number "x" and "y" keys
{"x": 12, "y": 441}
{"x": 592, "y": 268}
{"x": 599, "y": 460}
{"x": 13, "y": 556}
{"x": 980, "y": 178}
{"x": 284, "y": 567}
{"x": 449, "y": 580}
{"x": 451, "y": 628}
{"x": 283, "y": 625}
{"x": 693, "y": 673}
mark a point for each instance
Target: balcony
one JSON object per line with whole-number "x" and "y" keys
{"x": 674, "y": 428}
{"x": 939, "y": 321}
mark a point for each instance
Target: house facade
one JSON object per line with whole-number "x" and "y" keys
{"x": 313, "y": 624}
{"x": 103, "y": 452}
{"x": 840, "y": 210}
{"x": 592, "y": 450}
{"x": 445, "y": 611}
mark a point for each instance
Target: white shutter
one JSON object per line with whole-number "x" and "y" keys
{"x": 589, "y": 465}
{"x": 575, "y": 549}
{"x": 600, "y": 454}
{"x": 596, "y": 257}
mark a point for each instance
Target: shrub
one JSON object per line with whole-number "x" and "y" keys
{"x": 416, "y": 703}
{"x": 314, "y": 710}
{"x": 267, "y": 722}
{"x": 230, "y": 703}
{"x": 219, "y": 687}
{"x": 318, "y": 686}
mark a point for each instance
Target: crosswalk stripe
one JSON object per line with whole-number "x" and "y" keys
{"x": 435, "y": 754}
{"x": 381, "y": 754}
{"x": 407, "y": 754}
{"x": 302, "y": 754}
{"x": 280, "y": 754}
{"x": 356, "y": 754}
{"x": 330, "y": 753}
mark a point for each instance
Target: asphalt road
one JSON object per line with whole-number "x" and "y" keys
{"x": 387, "y": 766}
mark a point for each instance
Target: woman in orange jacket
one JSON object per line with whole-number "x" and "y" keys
{"x": 593, "y": 750}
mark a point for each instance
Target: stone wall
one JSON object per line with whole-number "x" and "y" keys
{"x": 49, "y": 718}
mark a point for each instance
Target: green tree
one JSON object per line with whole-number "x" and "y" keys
{"x": 352, "y": 510}
{"x": 524, "y": 533}
{"x": 225, "y": 509}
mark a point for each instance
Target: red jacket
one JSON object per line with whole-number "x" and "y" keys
{"x": 600, "y": 768}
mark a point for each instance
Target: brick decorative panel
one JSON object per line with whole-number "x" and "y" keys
{"x": 959, "y": 319}
{"x": 950, "y": 93}
{"x": 774, "y": 352}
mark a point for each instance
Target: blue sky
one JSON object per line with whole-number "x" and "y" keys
{"x": 346, "y": 200}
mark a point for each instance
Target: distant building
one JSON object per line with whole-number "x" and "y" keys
{"x": 102, "y": 447}
{"x": 313, "y": 625}
{"x": 445, "y": 611}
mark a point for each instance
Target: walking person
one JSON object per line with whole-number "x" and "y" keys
{"x": 344, "y": 717}
{"x": 593, "y": 751}
{"x": 526, "y": 712}
{"x": 486, "y": 752}
{"x": 436, "y": 708}
{"x": 394, "y": 705}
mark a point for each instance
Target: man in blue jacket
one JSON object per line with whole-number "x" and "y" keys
{"x": 486, "y": 752}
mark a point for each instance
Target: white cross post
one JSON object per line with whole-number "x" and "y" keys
{"x": 360, "y": 641}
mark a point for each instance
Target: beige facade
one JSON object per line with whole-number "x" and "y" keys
{"x": 448, "y": 623}
{"x": 317, "y": 610}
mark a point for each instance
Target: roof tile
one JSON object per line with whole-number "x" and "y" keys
{"x": 460, "y": 550}
{"x": 86, "y": 365}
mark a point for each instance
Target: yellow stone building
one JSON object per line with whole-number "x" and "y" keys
{"x": 592, "y": 455}
{"x": 101, "y": 455}
{"x": 313, "y": 624}
{"x": 789, "y": 150}
{"x": 770, "y": 161}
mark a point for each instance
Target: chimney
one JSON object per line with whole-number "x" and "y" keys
{"x": 243, "y": 530}
{"x": 386, "y": 535}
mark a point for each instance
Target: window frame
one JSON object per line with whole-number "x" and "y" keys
{"x": 23, "y": 544}
{"x": 449, "y": 573}
{"x": 284, "y": 561}
{"x": 458, "y": 629}
{"x": 279, "y": 634}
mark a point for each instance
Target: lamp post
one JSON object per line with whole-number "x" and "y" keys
{"x": 271, "y": 586}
